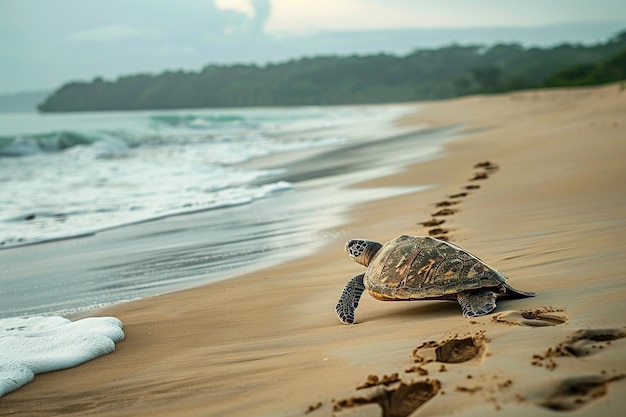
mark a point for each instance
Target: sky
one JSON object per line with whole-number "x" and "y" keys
{"x": 44, "y": 44}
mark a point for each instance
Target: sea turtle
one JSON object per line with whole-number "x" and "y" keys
{"x": 422, "y": 268}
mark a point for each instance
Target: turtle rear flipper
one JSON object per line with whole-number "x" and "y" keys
{"x": 349, "y": 300}
{"x": 476, "y": 303}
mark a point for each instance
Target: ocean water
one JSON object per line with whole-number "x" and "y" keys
{"x": 74, "y": 174}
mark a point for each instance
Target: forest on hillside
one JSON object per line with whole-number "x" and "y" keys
{"x": 430, "y": 74}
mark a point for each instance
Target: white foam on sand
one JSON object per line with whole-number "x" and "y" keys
{"x": 34, "y": 345}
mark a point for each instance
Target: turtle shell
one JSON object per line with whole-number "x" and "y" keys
{"x": 421, "y": 267}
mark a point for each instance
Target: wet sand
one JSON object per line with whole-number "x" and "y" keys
{"x": 547, "y": 211}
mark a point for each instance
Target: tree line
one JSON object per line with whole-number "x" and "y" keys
{"x": 428, "y": 74}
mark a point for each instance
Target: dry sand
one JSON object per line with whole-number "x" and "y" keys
{"x": 551, "y": 217}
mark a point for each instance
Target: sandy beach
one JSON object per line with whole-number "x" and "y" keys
{"x": 548, "y": 212}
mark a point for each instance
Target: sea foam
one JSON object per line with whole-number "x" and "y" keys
{"x": 34, "y": 345}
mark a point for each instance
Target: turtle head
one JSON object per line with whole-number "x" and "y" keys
{"x": 362, "y": 251}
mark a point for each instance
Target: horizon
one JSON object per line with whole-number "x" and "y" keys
{"x": 132, "y": 37}
{"x": 157, "y": 72}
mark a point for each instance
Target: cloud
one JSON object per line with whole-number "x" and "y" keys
{"x": 243, "y": 18}
{"x": 115, "y": 33}
{"x": 262, "y": 12}
{"x": 243, "y": 6}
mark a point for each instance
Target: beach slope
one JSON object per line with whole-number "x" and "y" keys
{"x": 548, "y": 211}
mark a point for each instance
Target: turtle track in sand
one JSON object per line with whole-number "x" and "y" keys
{"x": 445, "y": 207}
{"x": 573, "y": 392}
{"x": 540, "y": 317}
{"x": 394, "y": 397}
{"x": 578, "y": 345}
{"x": 397, "y": 398}
{"x": 569, "y": 392}
{"x": 452, "y": 350}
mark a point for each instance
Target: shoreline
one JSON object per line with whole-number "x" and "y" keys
{"x": 268, "y": 343}
{"x": 149, "y": 258}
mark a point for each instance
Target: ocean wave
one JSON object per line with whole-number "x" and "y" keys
{"x": 19, "y": 145}
{"x": 198, "y": 121}
{"x": 73, "y": 175}
{"x": 116, "y": 136}
{"x": 30, "y": 227}
{"x": 24, "y": 144}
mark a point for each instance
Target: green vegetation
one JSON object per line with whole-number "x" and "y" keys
{"x": 613, "y": 69}
{"x": 422, "y": 75}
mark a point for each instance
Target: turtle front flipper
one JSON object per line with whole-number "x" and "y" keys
{"x": 476, "y": 303}
{"x": 349, "y": 300}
